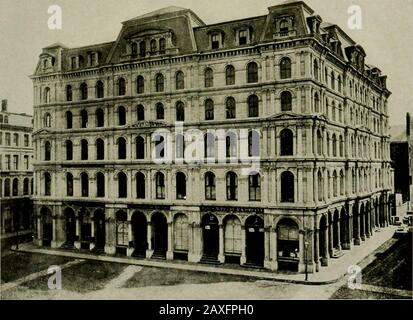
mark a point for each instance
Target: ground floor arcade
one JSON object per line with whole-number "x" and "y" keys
{"x": 273, "y": 239}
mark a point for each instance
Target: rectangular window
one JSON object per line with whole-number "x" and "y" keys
{"x": 26, "y": 140}
{"x": 7, "y": 162}
{"x": 16, "y": 139}
{"x": 242, "y": 37}
{"x": 7, "y": 139}
{"x": 215, "y": 41}
{"x": 16, "y": 162}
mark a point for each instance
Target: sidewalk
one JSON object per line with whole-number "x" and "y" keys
{"x": 335, "y": 271}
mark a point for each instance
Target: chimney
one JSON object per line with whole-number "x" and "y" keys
{"x": 4, "y": 105}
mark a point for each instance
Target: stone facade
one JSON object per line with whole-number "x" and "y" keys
{"x": 303, "y": 110}
{"x": 16, "y": 172}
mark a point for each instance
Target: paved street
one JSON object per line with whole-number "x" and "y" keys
{"x": 387, "y": 267}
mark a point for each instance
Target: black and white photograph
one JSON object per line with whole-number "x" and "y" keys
{"x": 188, "y": 150}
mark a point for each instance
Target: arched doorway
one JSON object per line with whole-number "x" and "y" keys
{"x": 47, "y": 226}
{"x": 139, "y": 231}
{"x": 210, "y": 236}
{"x": 232, "y": 239}
{"x": 159, "y": 235}
{"x": 181, "y": 236}
{"x": 100, "y": 232}
{"x": 323, "y": 243}
{"x": 254, "y": 228}
{"x": 85, "y": 228}
{"x": 70, "y": 227}
{"x": 288, "y": 245}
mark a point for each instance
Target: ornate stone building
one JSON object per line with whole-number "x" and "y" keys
{"x": 291, "y": 122}
{"x": 16, "y": 172}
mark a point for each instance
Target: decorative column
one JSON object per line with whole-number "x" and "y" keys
{"x": 221, "y": 256}
{"x": 273, "y": 250}
{"x": 267, "y": 259}
{"x": 78, "y": 233}
{"x": 338, "y": 235}
{"x": 326, "y": 257}
{"x": 92, "y": 233}
{"x": 330, "y": 239}
{"x": 170, "y": 252}
{"x": 110, "y": 233}
{"x": 357, "y": 239}
{"x": 194, "y": 254}
{"x": 301, "y": 264}
{"x": 317, "y": 249}
{"x": 149, "y": 251}
{"x": 130, "y": 248}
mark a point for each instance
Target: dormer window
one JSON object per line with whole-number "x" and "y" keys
{"x": 142, "y": 48}
{"x": 284, "y": 28}
{"x": 73, "y": 62}
{"x": 215, "y": 41}
{"x": 134, "y": 49}
{"x": 93, "y": 59}
{"x": 153, "y": 46}
{"x": 162, "y": 46}
{"x": 243, "y": 37}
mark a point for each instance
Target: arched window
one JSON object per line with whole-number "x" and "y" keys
{"x": 7, "y": 187}
{"x": 179, "y": 146}
{"x": 180, "y": 186}
{"x": 341, "y": 146}
{"x": 209, "y": 145}
{"x": 342, "y": 185}
{"x": 287, "y": 142}
{"x": 210, "y": 186}
{"x": 15, "y": 189}
{"x": 334, "y": 147}
{"x": 83, "y": 91}
{"x": 285, "y": 68}
{"x": 121, "y": 116}
{"x": 333, "y": 81}
{"x": 100, "y": 89}
{"x": 140, "y": 85}
{"x": 84, "y": 152}
{"x": 84, "y": 184}
{"x": 121, "y": 148}
{"x": 153, "y": 46}
{"x": 69, "y": 93}
{"x": 230, "y": 75}
{"x": 232, "y": 186}
{"x": 25, "y": 187}
{"x": 134, "y": 49}
{"x": 140, "y": 112}
{"x": 140, "y": 185}
{"x": 230, "y": 108}
{"x": 286, "y": 101}
{"x": 100, "y": 118}
{"x": 160, "y": 115}
{"x": 180, "y": 111}
{"x": 122, "y": 185}
{"x": 320, "y": 181}
{"x": 69, "y": 120}
{"x": 122, "y": 232}
{"x": 47, "y": 151}
{"x": 142, "y": 49}
{"x": 231, "y": 144}
{"x": 100, "y": 149}
{"x": 209, "y": 109}
{"x": 100, "y": 185}
{"x": 209, "y": 78}
{"x": 121, "y": 87}
{"x": 69, "y": 184}
{"x": 159, "y": 147}
{"x": 317, "y": 102}
{"x": 84, "y": 119}
{"x": 252, "y": 72}
{"x": 69, "y": 150}
{"x": 253, "y": 143}
{"x": 287, "y": 187}
{"x": 162, "y": 46}
{"x": 140, "y": 147}
{"x": 253, "y": 110}
{"x": 179, "y": 80}
{"x": 254, "y": 186}
{"x": 334, "y": 183}
{"x": 159, "y": 82}
{"x": 47, "y": 184}
{"x": 316, "y": 70}
{"x": 160, "y": 185}
{"x": 339, "y": 84}
{"x": 46, "y": 95}
{"x": 47, "y": 120}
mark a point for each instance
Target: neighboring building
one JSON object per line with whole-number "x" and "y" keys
{"x": 297, "y": 99}
{"x": 401, "y": 147}
{"x": 16, "y": 172}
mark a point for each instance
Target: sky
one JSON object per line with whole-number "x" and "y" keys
{"x": 386, "y": 35}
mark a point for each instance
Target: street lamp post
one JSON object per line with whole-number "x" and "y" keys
{"x": 306, "y": 259}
